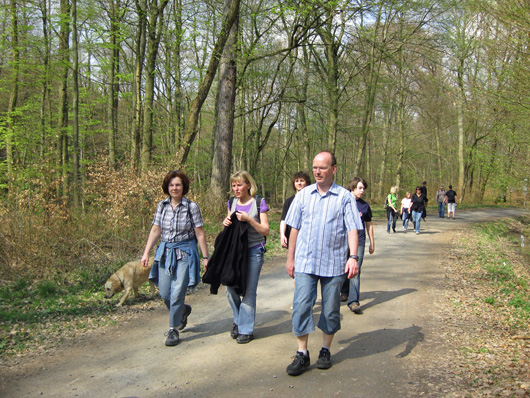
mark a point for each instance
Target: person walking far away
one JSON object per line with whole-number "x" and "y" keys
{"x": 322, "y": 247}
{"x": 418, "y": 207}
{"x": 391, "y": 209}
{"x": 351, "y": 288}
{"x": 406, "y": 202}
{"x": 424, "y": 193}
{"x": 178, "y": 223}
{"x": 440, "y": 198}
{"x": 300, "y": 180}
{"x": 450, "y": 198}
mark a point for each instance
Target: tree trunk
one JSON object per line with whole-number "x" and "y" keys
{"x": 75, "y": 109}
{"x": 141, "y": 10}
{"x": 45, "y": 95}
{"x": 179, "y": 108}
{"x": 461, "y": 147}
{"x": 224, "y": 126}
{"x": 64, "y": 59}
{"x": 372, "y": 78}
{"x": 193, "y": 118}
{"x": 332, "y": 80}
{"x": 154, "y": 34}
{"x": 114, "y": 84}
{"x": 13, "y": 97}
{"x": 387, "y": 133}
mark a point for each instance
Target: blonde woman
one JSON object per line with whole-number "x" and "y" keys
{"x": 249, "y": 209}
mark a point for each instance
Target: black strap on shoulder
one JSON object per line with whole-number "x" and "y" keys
{"x": 258, "y": 200}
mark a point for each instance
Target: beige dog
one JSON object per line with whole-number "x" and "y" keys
{"x": 129, "y": 278}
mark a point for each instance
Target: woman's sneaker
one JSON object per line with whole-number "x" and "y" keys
{"x": 299, "y": 364}
{"x": 235, "y": 331}
{"x": 184, "y": 321}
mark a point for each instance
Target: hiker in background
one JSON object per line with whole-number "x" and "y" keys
{"x": 424, "y": 193}
{"x": 450, "y": 199}
{"x": 351, "y": 288}
{"x": 405, "y": 210}
{"x": 391, "y": 209}
{"x": 299, "y": 180}
{"x": 418, "y": 207}
{"x": 440, "y": 198}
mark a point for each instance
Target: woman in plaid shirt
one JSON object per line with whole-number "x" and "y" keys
{"x": 179, "y": 225}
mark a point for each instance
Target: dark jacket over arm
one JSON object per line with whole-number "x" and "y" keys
{"x": 228, "y": 264}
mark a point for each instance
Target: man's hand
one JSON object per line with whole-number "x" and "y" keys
{"x": 290, "y": 267}
{"x": 352, "y": 268}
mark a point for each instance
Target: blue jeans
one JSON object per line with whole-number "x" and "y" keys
{"x": 173, "y": 288}
{"x": 416, "y": 218}
{"x": 441, "y": 209}
{"x": 355, "y": 282}
{"x": 305, "y": 295}
{"x": 244, "y": 309}
{"x": 405, "y": 219}
{"x": 391, "y": 215}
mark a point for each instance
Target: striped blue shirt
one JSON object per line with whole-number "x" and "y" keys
{"x": 323, "y": 222}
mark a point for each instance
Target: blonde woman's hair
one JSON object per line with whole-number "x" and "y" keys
{"x": 393, "y": 190}
{"x": 245, "y": 177}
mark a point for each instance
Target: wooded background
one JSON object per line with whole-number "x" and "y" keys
{"x": 99, "y": 99}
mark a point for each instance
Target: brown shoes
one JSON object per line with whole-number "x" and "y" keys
{"x": 355, "y": 308}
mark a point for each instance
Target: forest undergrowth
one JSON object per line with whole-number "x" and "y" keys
{"x": 487, "y": 310}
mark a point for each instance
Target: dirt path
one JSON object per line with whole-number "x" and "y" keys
{"x": 390, "y": 350}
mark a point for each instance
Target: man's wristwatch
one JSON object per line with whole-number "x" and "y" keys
{"x": 354, "y": 256}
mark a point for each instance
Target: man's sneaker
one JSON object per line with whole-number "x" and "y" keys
{"x": 355, "y": 307}
{"x": 235, "y": 331}
{"x": 244, "y": 338}
{"x": 324, "y": 359}
{"x": 299, "y": 364}
{"x": 184, "y": 321}
{"x": 343, "y": 297}
{"x": 172, "y": 337}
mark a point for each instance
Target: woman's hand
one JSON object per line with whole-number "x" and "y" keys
{"x": 205, "y": 263}
{"x": 242, "y": 216}
{"x": 227, "y": 221}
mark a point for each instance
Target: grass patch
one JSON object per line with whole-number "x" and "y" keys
{"x": 490, "y": 296}
{"x": 33, "y": 312}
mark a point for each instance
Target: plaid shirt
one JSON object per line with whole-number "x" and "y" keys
{"x": 178, "y": 225}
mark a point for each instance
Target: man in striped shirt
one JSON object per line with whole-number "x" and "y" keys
{"x": 322, "y": 247}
